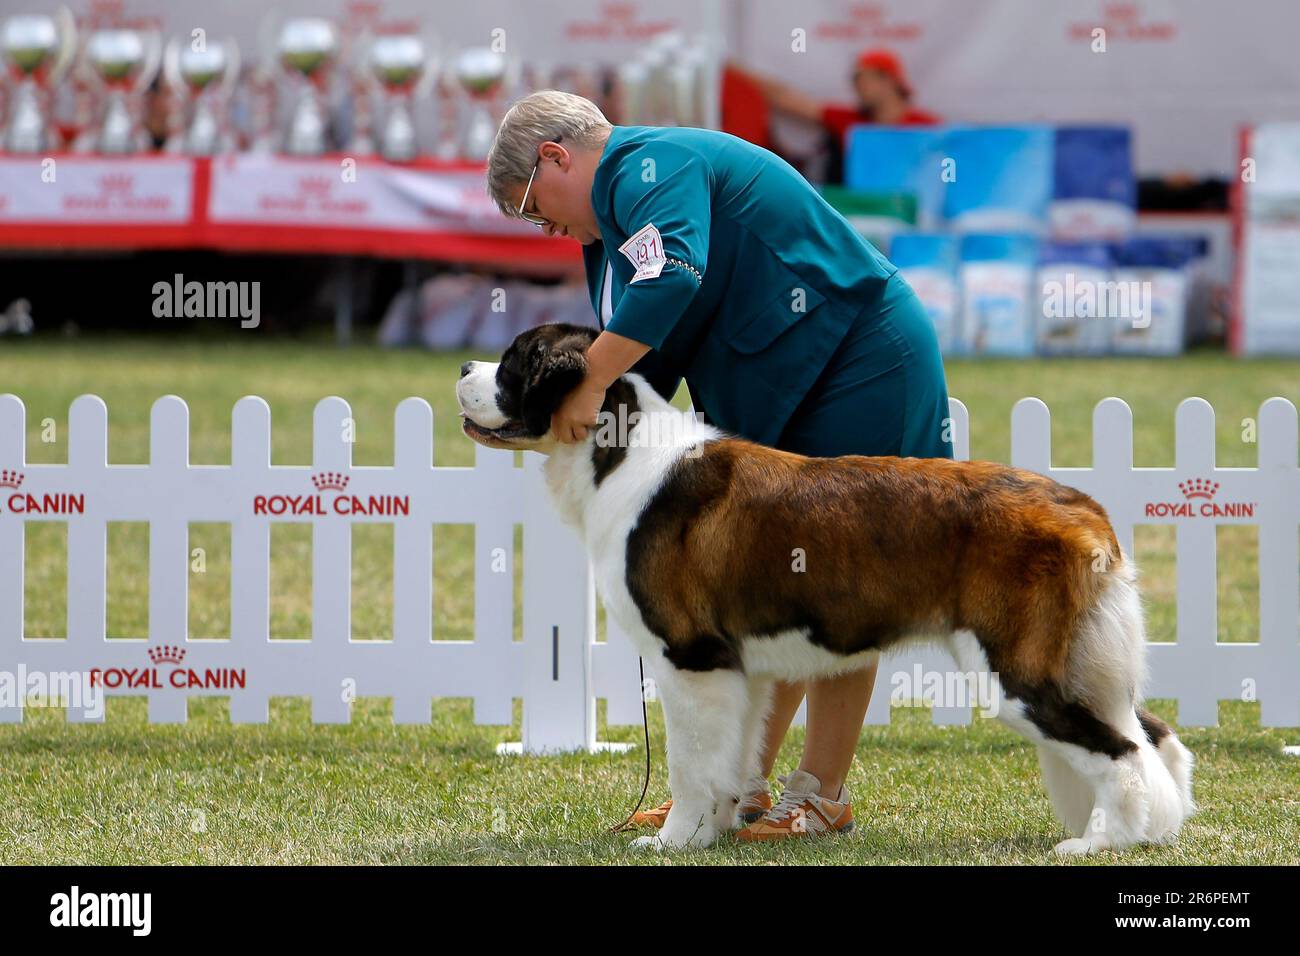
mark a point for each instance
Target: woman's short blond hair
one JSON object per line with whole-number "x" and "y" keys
{"x": 538, "y": 117}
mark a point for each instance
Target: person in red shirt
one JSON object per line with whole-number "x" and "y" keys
{"x": 884, "y": 96}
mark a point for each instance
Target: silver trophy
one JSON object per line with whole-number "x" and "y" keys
{"x": 668, "y": 83}
{"x": 202, "y": 80}
{"x": 38, "y": 50}
{"x": 400, "y": 64}
{"x": 481, "y": 73}
{"x": 634, "y": 93}
{"x": 258, "y": 98}
{"x": 125, "y": 62}
{"x": 307, "y": 46}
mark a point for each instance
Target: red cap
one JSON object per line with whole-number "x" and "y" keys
{"x": 884, "y": 61}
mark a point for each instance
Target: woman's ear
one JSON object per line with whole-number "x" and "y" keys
{"x": 559, "y": 369}
{"x": 553, "y": 153}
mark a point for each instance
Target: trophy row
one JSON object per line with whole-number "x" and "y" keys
{"x": 95, "y": 91}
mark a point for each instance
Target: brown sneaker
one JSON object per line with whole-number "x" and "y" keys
{"x": 801, "y": 812}
{"x": 752, "y": 807}
{"x": 653, "y": 818}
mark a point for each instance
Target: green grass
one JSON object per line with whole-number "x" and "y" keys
{"x": 126, "y": 792}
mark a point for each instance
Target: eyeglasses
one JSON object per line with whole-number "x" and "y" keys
{"x": 535, "y": 219}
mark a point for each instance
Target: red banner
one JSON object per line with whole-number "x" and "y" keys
{"x": 265, "y": 203}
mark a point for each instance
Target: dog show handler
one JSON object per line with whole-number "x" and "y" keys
{"x": 713, "y": 260}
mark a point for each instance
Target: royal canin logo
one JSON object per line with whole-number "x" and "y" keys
{"x": 167, "y": 654}
{"x": 1198, "y": 502}
{"x": 862, "y": 22}
{"x": 1198, "y": 488}
{"x": 19, "y": 502}
{"x": 1125, "y": 20}
{"x": 331, "y": 498}
{"x": 310, "y": 195}
{"x": 330, "y": 481}
{"x": 617, "y": 19}
{"x": 160, "y": 677}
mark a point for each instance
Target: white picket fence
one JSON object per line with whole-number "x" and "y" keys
{"x": 558, "y": 669}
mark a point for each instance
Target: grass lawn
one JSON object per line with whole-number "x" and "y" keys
{"x": 291, "y": 792}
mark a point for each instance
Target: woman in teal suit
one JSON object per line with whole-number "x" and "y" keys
{"x": 713, "y": 260}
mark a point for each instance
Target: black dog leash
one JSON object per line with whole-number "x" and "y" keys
{"x": 645, "y": 725}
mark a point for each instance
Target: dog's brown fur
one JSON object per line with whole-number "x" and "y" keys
{"x": 889, "y": 547}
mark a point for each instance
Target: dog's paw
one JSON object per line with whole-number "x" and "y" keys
{"x": 662, "y": 842}
{"x": 1077, "y": 846}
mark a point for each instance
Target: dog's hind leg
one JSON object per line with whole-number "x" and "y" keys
{"x": 1134, "y": 793}
{"x": 1097, "y": 758}
{"x": 705, "y": 718}
{"x": 1096, "y": 774}
{"x": 1072, "y": 795}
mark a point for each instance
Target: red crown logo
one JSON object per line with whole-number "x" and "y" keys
{"x": 330, "y": 481}
{"x": 315, "y": 184}
{"x": 10, "y": 478}
{"x": 167, "y": 654}
{"x": 1198, "y": 488}
{"x": 115, "y": 181}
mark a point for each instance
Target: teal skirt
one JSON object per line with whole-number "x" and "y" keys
{"x": 883, "y": 391}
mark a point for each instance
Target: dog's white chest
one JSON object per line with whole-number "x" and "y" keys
{"x": 606, "y": 516}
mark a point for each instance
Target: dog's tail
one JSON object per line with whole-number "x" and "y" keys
{"x": 1176, "y": 758}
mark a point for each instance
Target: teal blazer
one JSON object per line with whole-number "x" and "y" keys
{"x": 730, "y": 266}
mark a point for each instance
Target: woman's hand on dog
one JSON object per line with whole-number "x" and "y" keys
{"x": 578, "y": 412}
{"x": 608, "y": 357}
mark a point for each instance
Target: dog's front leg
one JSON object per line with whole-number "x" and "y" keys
{"x": 704, "y": 715}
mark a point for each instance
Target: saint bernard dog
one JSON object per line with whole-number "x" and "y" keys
{"x": 691, "y": 533}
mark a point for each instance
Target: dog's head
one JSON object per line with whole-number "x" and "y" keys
{"x": 508, "y": 404}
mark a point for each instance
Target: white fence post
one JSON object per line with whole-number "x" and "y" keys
{"x": 250, "y": 559}
{"x": 169, "y": 560}
{"x": 559, "y": 625}
{"x": 87, "y": 538}
{"x": 412, "y": 551}
{"x": 13, "y": 454}
{"x": 331, "y": 561}
{"x": 1279, "y": 582}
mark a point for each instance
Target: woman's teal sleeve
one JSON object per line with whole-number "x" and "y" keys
{"x": 663, "y": 194}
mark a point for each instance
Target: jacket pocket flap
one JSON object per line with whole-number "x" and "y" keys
{"x": 757, "y": 330}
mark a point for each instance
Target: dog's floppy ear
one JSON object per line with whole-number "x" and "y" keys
{"x": 555, "y": 371}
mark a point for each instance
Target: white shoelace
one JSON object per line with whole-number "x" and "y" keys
{"x": 791, "y": 802}
{"x": 755, "y": 788}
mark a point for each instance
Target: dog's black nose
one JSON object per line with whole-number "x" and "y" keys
{"x": 464, "y": 369}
